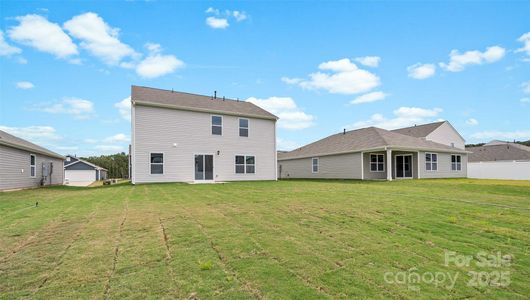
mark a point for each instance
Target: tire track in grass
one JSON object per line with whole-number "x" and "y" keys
{"x": 106, "y": 293}
{"x": 168, "y": 256}
{"x": 247, "y": 286}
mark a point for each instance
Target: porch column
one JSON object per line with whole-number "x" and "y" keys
{"x": 388, "y": 164}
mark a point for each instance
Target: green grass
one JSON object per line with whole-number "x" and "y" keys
{"x": 287, "y": 239}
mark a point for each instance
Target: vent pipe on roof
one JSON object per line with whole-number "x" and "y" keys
{"x": 344, "y": 131}
{"x": 215, "y": 94}
{"x": 223, "y": 98}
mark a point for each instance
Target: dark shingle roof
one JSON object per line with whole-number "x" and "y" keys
{"x": 499, "y": 151}
{"x": 186, "y": 101}
{"x": 16, "y": 142}
{"x": 364, "y": 139}
{"x": 419, "y": 130}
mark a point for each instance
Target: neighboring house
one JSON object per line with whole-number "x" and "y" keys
{"x": 81, "y": 171}
{"x": 26, "y": 165}
{"x": 499, "y": 160}
{"x": 181, "y": 137}
{"x": 375, "y": 153}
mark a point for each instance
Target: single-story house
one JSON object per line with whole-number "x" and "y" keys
{"x": 26, "y": 165}
{"x": 183, "y": 137}
{"x": 433, "y": 150}
{"x": 80, "y": 172}
{"x": 499, "y": 160}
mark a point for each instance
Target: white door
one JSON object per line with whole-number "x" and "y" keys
{"x": 80, "y": 175}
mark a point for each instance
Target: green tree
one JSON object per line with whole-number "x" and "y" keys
{"x": 116, "y": 164}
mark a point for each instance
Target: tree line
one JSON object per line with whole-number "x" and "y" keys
{"x": 116, "y": 164}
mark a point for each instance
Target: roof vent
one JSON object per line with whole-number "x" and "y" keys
{"x": 215, "y": 94}
{"x": 223, "y": 98}
{"x": 344, "y": 131}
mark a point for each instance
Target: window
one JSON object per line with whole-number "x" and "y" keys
{"x": 157, "y": 163}
{"x": 217, "y": 125}
{"x": 456, "y": 162}
{"x": 32, "y": 165}
{"x": 68, "y": 158}
{"x": 245, "y": 164}
{"x": 431, "y": 161}
{"x": 377, "y": 162}
{"x": 314, "y": 165}
{"x": 243, "y": 127}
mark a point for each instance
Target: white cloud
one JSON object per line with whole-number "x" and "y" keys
{"x": 369, "y": 61}
{"x": 344, "y": 78}
{"x": 90, "y": 141}
{"x": 291, "y": 116}
{"x": 472, "y": 122}
{"x": 99, "y": 38}
{"x": 502, "y": 135}
{"x": 217, "y": 23}
{"x": 67, "y": 148}
{"x": 5, "y": 48}
{"x": 458, "y": 61}
{"x": 286, "y": 145}
{"x": 110, "y": 148}
{"x": 24, "y": 85}
{"x": 403, "y": 117}
{"x": 525, "y": 100}
{"x": 212, "y": 10}
{"x": 124, "y": 108}
{"x": 117, "y": 138}
{"x": 35, "y": 134}
{"x": 291, "y": 80}
{"x": 78, "y": 108}
{"x": 526, "y": 87}
{"x": 239, "y": 15}
{"x": 37, "y": 32}
{"x": 421, "y": 71}
{"x": 525, "y": 39}
{"x": 370, "y": 97}
{"x": 156, "y": 64}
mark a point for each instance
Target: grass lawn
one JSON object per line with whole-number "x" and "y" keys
{"x": 287, "y": 239}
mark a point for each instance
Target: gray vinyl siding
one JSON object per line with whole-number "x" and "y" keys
{"x": 15, "y": 169}
{"x": 444, "y": 167}
{"x": 156, "y": 130}
{"x": 343, "y": 166}
{"x": 80, "y": 166}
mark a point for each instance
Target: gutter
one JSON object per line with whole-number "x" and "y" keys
{"x": 32, "y": 150}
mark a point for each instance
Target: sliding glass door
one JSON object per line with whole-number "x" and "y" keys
{"x": 203, "y": 167}
{"x": 403, "y": 166}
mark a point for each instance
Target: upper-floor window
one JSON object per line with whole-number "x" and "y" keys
{"x": 456, "y": 162}
{"x": 377, "y": 162}
{"x": 314, "y": 165}
{"x": 157, "y": 163}
{"x": 217, "y": 125}
{"x": 245, "y": 164}
{"x": 243, "y": 127}
{"x": 32, "y": 165}
{"x": 431, "y": 161}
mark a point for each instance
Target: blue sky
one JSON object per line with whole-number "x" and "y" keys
{"x": 66, "y": 67}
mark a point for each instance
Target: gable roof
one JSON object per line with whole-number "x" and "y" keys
{"x": 419, "y": 130}
{"x": 365, "y": 139}
{"x": 499, "y": 151}
{"x": 16, "y": 142}
{"x": 192, "y": 102}
{"x": 78, "y": 160}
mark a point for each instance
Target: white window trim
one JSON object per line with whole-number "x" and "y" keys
{"x": 437, "y": 162}
{"x": 377, "y": 162}
{"x": 163, "y": 163}
{"x": 312, "y": 165}
{"x": 213, "y": 167}
{"x": 32, "y": 166}
{"x": 456, "y": 163}
{"x": 239, "y": 127}
{"x": 245, "y": 164}
{"x": 212, "y": 125}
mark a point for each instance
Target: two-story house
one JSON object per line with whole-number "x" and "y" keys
{"x": 182, "y": 137}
